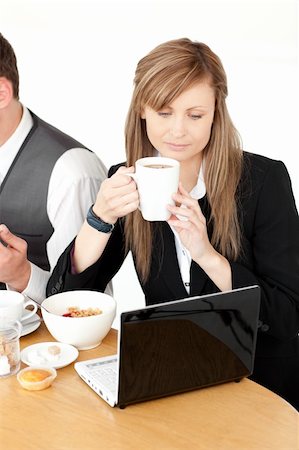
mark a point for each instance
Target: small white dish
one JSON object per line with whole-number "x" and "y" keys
{"x": 38, "y": 354}
{"x": 30, "y": 325}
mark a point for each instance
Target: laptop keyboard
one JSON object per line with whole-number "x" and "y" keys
{"x": 104, "y": 373}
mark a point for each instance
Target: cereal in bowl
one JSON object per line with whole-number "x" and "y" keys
{"x": 74, "y": 311}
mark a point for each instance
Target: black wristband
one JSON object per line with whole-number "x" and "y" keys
{"x": 96, "y": 222}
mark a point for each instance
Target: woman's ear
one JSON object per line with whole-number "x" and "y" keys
{"x": 6, "y": 92}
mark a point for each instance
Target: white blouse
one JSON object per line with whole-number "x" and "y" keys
{"x": 183, "y": 255}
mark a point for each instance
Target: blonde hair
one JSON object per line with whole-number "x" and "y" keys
{"x": 161, "y": 77}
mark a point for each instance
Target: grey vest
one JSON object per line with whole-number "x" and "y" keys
{"x": 24, "y": 190}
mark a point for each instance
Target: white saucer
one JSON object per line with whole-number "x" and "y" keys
{"x": 31, "y": 324}
{"x": 68, "y": 354}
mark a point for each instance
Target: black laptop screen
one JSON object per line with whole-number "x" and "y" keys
{"x": 187, "y": 344}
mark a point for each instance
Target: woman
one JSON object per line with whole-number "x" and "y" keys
{"x": 237, "y": 224}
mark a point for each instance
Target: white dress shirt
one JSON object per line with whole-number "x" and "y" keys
{"x": 183, "y": 255}
{"x": 73, "y": 186}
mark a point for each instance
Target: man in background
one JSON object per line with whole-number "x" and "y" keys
{"x": 48, "y": 181}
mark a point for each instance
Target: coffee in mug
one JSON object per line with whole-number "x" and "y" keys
{"x": 157, "y": 179}
{"x": 157, "y": 166}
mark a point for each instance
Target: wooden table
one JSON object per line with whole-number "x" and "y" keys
{"x": 69, "y": 415}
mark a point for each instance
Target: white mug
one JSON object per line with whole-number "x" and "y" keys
{"x": 157, "y": 178}
{"x": 13, "y": 307}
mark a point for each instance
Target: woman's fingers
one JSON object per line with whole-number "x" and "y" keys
{"x": 117, "y": 197}
{"x": 119, "y": 178}
{"x": 125, "y": 199}
{"x": 178, "y": 223}
{"x": 188, "y": 207}
{"x": 118, "y": 185}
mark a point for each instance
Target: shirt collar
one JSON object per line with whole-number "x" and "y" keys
{"x": 10, "y": 148}
{"x": 13, "y": 144}
{"x": 199, "y": 190}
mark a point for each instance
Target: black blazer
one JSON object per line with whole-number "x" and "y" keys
{"x": 269, "y": 258}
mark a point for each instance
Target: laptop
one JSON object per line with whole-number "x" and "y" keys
{"x": 178, "y": 346}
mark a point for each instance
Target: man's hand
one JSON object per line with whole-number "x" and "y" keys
{"x": 15, "y": 268}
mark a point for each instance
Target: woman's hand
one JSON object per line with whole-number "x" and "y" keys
{"x": 190, "y": 224}
{"x": 117, "y": 197}
{"x": 192, "y": 230}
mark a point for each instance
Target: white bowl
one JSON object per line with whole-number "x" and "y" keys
{"x": 82, "y": 332}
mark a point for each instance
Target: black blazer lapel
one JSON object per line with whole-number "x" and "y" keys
{"x": 198, "y": 280}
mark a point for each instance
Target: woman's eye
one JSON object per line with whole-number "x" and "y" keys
{"x": 195, "y": 116}
{"x": 164, "y": 114}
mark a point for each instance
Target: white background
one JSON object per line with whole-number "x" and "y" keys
{"x": 77, "y": 60}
